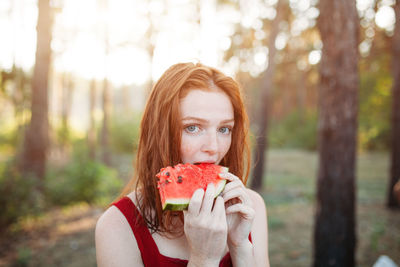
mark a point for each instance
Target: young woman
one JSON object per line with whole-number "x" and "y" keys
{"x": 195, "y": 114}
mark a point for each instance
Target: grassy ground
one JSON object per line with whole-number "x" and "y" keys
{"x": 65, "y": 237}
{"x": 289, "y": 195}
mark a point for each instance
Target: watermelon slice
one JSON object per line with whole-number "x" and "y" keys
{"x": 177, "y": 184}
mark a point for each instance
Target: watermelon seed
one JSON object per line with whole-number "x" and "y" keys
{"x": 167, "y": 174}
{"x": 179, "y": 179}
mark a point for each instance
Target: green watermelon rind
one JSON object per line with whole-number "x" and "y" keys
{"x": 178, "y": 204}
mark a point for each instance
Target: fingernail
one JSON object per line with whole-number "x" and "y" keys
{"x": 224, "y": 176}
{"x": 199, "y": 191}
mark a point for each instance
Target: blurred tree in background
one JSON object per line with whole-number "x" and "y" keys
{"x": 261, "y": 144}
{"x": 394, "y": 202}
{"x": 35, "y": 146}
{"x": 335, "y": 233}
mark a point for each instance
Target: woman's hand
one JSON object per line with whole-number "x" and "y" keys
{"x": 205, "y": 227}
{"x": 239, "y": 211}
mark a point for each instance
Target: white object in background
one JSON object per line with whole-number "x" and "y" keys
{"x": 384, "y": 261}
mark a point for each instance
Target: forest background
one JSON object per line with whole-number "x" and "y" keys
{"x": 103, "y": 58}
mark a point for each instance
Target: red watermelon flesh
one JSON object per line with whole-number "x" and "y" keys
{"x": 177, "y": 184}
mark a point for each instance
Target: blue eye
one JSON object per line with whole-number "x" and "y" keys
{"x": 225, "y": 130}
{"x": 192, "y": 129}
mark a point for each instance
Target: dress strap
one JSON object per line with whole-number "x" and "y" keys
{"x": 147, "y": 246}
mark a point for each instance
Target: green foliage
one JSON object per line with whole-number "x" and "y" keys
{"x": 11, "y": 137}
{"x": 24, "y": 255}
{"x": 375, "y": 109}
{"x": 297, "y": 130}
{"x": 378, "y": 230}
{"x": 125, "y": 132}
{"x": 64, "y": 134}
{"x": 82, "y": 180}
{"x": 19, "y": 195}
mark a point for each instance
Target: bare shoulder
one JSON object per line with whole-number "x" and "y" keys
{"x": 115, "y": 243}
{"x": 260, "y": 219}
{"x": 258, "y": 201}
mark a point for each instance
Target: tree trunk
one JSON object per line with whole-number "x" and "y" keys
{"x": 301, "y": 96}
{"x": 126, "y": 100}
{"x": 150, "y": 36}
{"x": 105, "y": 130}
{"x": 66, "y": 102}
{"x": 19, "y": 99}
{"x": 92, "y": 122}
{"x": 150, "y": 51}
{"x": 33, "y": 158}
{"x": 106, "y": 100}
{"x": 393, "y": 202}
{"x": 334, "y": 233}
{"x": 263, "y": 116}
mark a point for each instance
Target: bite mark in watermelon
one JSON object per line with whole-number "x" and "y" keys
{"x": 177, "y": 184}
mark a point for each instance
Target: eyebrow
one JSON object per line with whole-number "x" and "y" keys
{"x": 189, "y": 118}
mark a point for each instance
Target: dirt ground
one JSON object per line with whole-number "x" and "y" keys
{"x": 62, "y": 237}
{"x": 65, "y": 236}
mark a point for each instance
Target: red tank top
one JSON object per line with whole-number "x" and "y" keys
{"x": 148, "y": 249}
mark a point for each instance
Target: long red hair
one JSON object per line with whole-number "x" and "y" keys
{"x": 160, "y": 137}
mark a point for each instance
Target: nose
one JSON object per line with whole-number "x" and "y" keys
{"x": 210, "y": 144}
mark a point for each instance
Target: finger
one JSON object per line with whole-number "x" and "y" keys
{"x": 228, "y": 176}
{"x": 232, "y": 195}
{"x": 232, "y": 202}
{"x": 208, "y": 199}
{"x": 196, "y": 201}
{"x": 233, "y": 185}
{"x": 246, "y": 211}
{"x": 219, "y": 208}
{"x": 237, "y": 193}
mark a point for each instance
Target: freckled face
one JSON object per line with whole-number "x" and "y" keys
{"x": 207, "y": 121}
